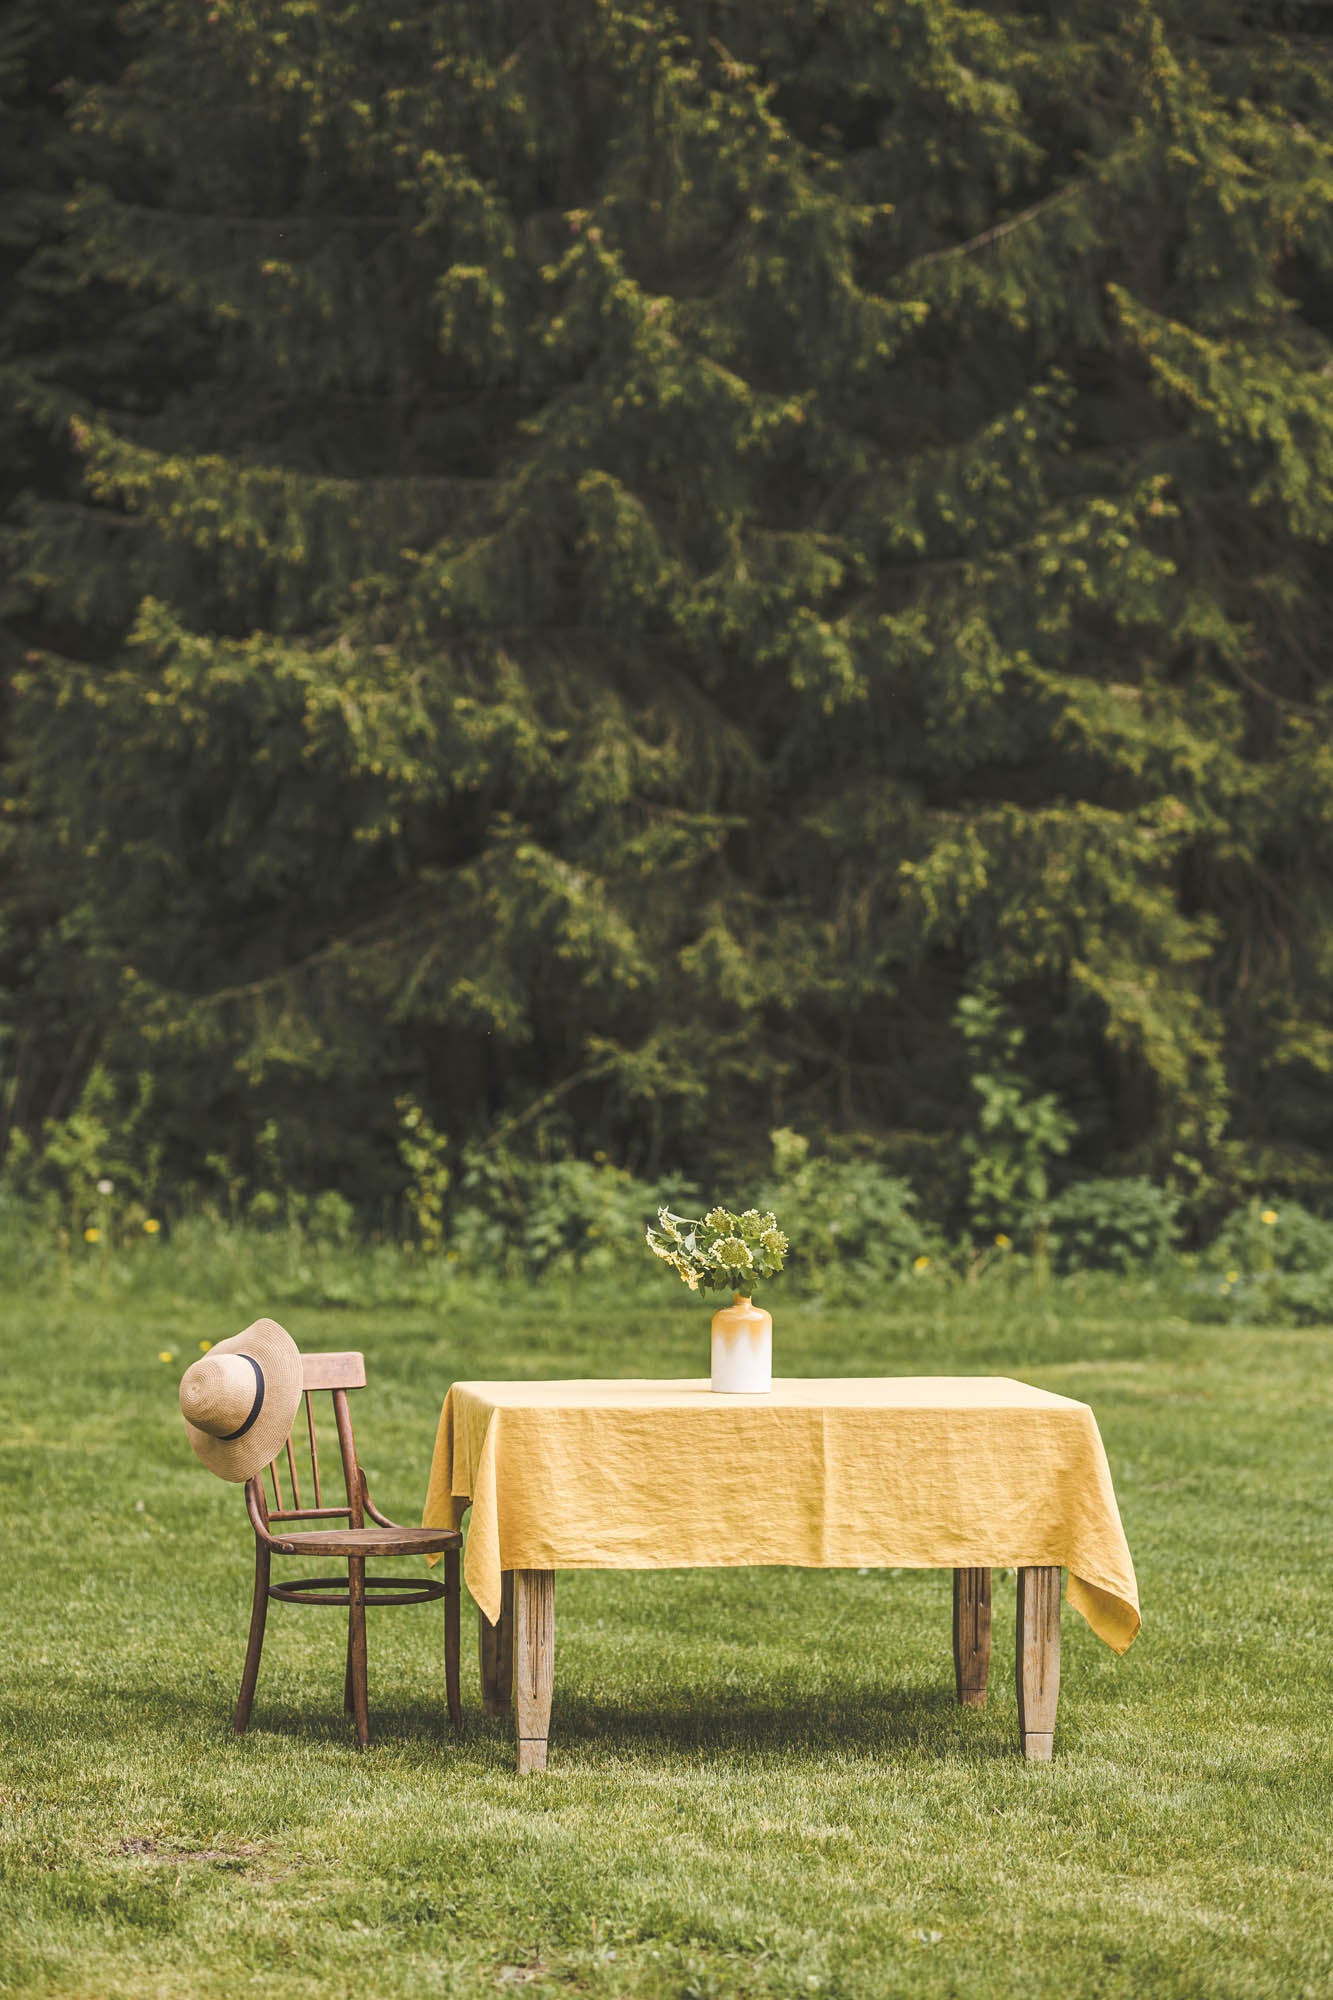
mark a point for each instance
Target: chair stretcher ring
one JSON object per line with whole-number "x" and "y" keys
{"x": 379, "y": 1590}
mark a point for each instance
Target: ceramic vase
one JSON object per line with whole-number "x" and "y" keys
{"x": 742, "y": 1349}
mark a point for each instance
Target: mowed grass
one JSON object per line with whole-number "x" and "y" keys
{"x": 759, "y": 1782}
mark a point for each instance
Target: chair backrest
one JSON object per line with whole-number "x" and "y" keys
{"x": 337, "y": 1373}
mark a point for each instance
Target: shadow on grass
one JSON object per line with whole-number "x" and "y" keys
{"x": 876, "y": 1723}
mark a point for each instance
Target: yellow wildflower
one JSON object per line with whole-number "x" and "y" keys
{"x": 1233, "y": 1277}
{"x": 92, "y": 1235}
{"x": 1269, "y": 1216}
{"x": 921, "y": 1263}
{"x": 152, "y": 1226}
{"x": 1003, "y": 1242}
{"x": 204, "y": 1346}
{"x": 165, "y": 1354}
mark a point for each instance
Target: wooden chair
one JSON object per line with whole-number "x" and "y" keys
{"x": 355, "y": 1542}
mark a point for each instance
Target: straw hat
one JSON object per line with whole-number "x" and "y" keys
{"x": 240, "y": 1401}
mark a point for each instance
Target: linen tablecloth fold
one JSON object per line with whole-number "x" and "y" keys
{"x": 875, "y": 1472}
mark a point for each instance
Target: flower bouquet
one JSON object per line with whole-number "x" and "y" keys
{"x": 726, "y": 1252}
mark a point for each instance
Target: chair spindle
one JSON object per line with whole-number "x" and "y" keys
{"x": 314, "y": 1450}
{"x": 347, "y": 1446}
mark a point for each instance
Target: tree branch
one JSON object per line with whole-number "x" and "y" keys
{"x": 1000, "y": 229}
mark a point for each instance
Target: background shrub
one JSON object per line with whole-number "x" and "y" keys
{"x": 539, "y": 1217}
{"x": 848, "y": 1220}
{"x": 1112, "y": 1225}
{"x": 1293, "y": 1240}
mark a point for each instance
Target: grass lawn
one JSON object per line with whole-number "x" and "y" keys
{"x": 759, "y": 1781}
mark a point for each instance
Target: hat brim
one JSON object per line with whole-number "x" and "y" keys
{"x": 279, "y": 1360}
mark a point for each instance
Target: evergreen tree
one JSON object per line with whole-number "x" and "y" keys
{"x": 58, "y": 351}
{"x": 628, "y": 559}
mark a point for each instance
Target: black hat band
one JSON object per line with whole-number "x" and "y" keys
{"x": 255, "y": 1407}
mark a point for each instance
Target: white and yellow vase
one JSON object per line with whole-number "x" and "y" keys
{"x": 742, "y": 1349}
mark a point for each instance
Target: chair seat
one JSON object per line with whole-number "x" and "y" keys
{"x": 368, "y": 1542}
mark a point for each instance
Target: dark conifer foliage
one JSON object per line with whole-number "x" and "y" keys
{"x": 623, "y": 560}
{"x": 62, "y": 348}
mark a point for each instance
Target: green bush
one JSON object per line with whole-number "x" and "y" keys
{"x": 84, "y": 1204}
{"x": 537, "y": 1217}
{"x": 1111, "y": 1225}
{"x": 582, "y": 1215}
{"x": 327, "y": 1217}
{"x": 852, "y": 1223}
{"x": 1274, "y": 1236}
{"x": 848, "y": 1220}
{"x": 1270, "y": 1264}
{"x": 1019, "y": 1132}
{"x": 1273, "y": 1298}
{"x": 98, "y": 1169}
{"x": 331, "y": 1218}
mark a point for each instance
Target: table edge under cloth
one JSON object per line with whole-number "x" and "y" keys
{"x": 1075, "y": 1523}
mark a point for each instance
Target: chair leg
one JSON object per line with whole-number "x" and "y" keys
{"x": 258, "y": 1615}
{"x": 348, "y": 1704}
{"x": 452, "y": 1639}
{"x": 356, "y": 1645}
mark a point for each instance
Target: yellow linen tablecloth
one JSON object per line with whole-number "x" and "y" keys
{"x": 896, "y": 1472}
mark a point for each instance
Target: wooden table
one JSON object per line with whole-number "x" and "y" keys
{"x": 966, "y": 1473}
{"x": 517, "y": 1655}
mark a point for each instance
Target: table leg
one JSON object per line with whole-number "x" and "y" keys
{"x": 534, "y": 1663}
{"x": 971, "y": 1635}
{"x": 1037, "y": 1659}
{"x": 496, "y": 1649}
